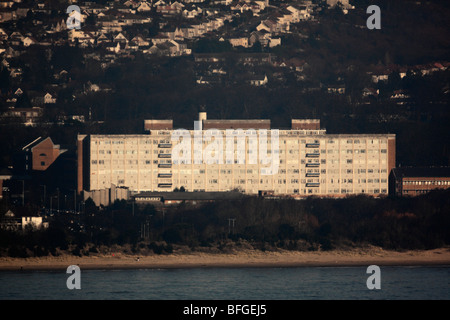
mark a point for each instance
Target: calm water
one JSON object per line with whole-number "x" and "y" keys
{"x": 231, "y": 284}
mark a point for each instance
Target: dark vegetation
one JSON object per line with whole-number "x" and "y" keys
{"x": 311, "y": 224}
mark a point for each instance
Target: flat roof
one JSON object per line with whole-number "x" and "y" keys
{"x": 199, "y": 195}
{"x": 422, "y": 172}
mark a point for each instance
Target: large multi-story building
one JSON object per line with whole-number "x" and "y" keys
{"x": 305, "y": 159}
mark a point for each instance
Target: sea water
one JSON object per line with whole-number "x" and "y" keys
{"x": 299, "y": 283}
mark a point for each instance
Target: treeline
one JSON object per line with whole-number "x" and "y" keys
{"x": 310, "y": 224}
{"x": 414, "y": 223}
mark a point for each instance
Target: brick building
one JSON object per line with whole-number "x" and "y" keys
{"x": 413, "y": 181}
{"x": 39, "y": 154}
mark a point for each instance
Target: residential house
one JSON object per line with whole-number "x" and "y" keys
{"x": 380, "y": 73}
{"x": 400, "y": 96}
{"x": 241, "y": 41}
{"x": 167, "y": 48}
{"x": 18, "y": 92}
{"x": 11, "y": 52}
{"x": 83, "y": 37}
{"x": 28, "y": 41}
{"x": 131, "y": 4}
{"x": 6, "y": 4}
{"x": 49, "y": 98}
{"x": 169, "y": 9}
{"x": 109, "y": 23}
{"x": 5, "y": 63}
{"x": 120, "y": 38}
{"x": 60, "y": 26}
{"x": 260, "y": 36}
{"x": 160, "y": 38}
{"x": 141, "y": 41}
{"x": 7, "y": 15}
{"x": 209, "y": 79}
{"x": 370, "y": 92}
{"x": 299, "y": 13}
{"x": 192, "y": 12}
{"x": 253, "y": 59}
{"x": 209, "y": 57}
{"x": 102, "y": 38}
{"x": 337, "y": 89}
{"x": 296, "y": 64}
{"x": 344, "y": 3}
{"x": 29, "y": 116}
{"x": 16, "y": 72}
{"x": 16, "y": 38}
{"x": 264, "y": 38}
{"x": 170, "y": 48}
{"x": 189, "y": 31}
{"x": 170, "y": 32}
{"x": 267, "y": 25}
{"x": 258, "y": 80}
{"x": 242, "y": 6}
{"x": 273, "y": 42}
{"x": 10, "y": 222}
{"x": 144, "y": 6}
{"x": 3, "y": 35}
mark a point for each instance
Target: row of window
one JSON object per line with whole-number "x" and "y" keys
{"x": 426, "y": 183}
{"x": 129, "y": 141}
{"x": 254, "y": 180}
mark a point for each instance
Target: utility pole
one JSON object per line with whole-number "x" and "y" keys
{"x": 58, "y": 198}
{"x": 23, "y": 192}
{"x": 231, "y": 223}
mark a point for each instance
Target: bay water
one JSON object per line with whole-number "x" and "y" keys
{"x": 299, "y": 283}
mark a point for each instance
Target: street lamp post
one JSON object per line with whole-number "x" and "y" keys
{"x": 45, "y": 192}
{"x": 57, "y": 189}
{"x": 23, "y": 192}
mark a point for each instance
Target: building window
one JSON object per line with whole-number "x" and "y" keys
{"x": 42, "y": 163}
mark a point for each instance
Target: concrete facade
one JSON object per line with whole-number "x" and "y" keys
{"x": 311, "y": 162}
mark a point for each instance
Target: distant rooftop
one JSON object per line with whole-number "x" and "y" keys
{"x": 422, "y": 172}
{"x": 204, "y": 196}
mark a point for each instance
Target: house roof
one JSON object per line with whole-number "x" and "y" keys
{"x": 33, "y": 143}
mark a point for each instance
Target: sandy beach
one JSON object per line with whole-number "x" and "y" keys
{"x": 243, "y": 258}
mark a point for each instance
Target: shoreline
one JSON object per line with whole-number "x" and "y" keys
{"x": 239, "y": 259}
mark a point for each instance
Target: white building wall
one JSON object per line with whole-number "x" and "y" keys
{"x": 311, "y": 163}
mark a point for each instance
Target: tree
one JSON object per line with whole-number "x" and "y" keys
{"x": 23, "y": 101}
